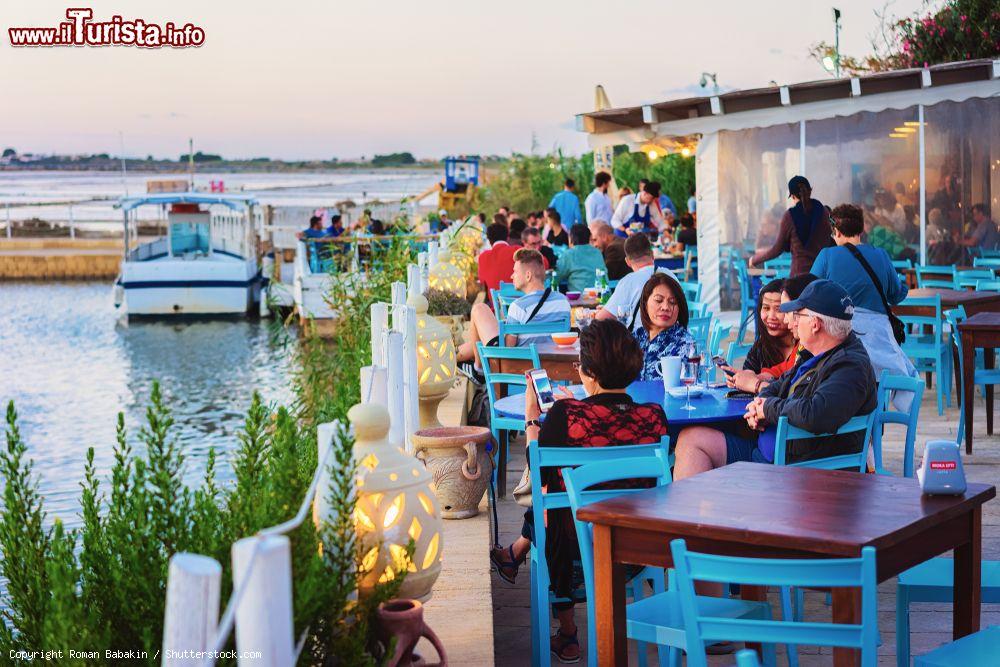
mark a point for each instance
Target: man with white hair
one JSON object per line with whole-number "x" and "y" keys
{"x": 822, "y": 392}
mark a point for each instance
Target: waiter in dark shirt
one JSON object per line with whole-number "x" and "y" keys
{"x": 804, "y": 230}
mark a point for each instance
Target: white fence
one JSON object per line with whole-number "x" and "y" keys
{"x": 260, "y": 607}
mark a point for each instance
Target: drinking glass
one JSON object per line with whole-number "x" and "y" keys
{"x": 689, "y": 375}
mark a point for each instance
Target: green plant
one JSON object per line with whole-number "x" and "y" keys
{"x": 104, "y": 584}
{"x": 440, "y": 302}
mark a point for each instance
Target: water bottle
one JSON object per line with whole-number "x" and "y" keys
{"x": 601, "y": 283}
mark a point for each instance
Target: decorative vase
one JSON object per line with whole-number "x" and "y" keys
{"x": 435, "y": 361}
{"x": 457, "y": 458}
{"x": 403, "y": 620}
{"x": 395, "y": 503}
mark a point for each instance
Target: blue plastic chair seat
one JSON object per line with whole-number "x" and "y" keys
{"x": 659, "y": 619}
{"x": 936, "y": 580}
{"x": 973, "y": 650}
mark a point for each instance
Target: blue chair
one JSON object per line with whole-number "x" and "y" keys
{"x": 936, "y": 280}
{"x": 747, "y": 658}
{"x": 858, "y": 461}
{"x": 508, "y": 380}
{"x": 970, "y": 277}
{"x": 887, "y": 384}
{"x": 700, "y": 328}
{"x": 698, "y": 309}
{"x": 976, "y": 650}
{"x": 532, "y": 328}
{"x": 980, "y": 375}
{"x": 656, "y": 619}
{"x": 501, "y": 302}
{"x": 781, "y": 262}
{"x": 930, "y": 353}
{"x": 992, "y": 261}
{"x": 933, "y": 581}
{"x": 748, "y": 298}
{"x": 692, "y": 290}
{"x": 703, "y": 627}
{"x": 902, "y": 264}
{"x": 542, "y": 501}
{"x": 991, "y": 285}
{"x": 737, "y": 352}
{"x": 509, "y": 289}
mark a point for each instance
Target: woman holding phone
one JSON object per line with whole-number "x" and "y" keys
{"x": 610, "y": 360}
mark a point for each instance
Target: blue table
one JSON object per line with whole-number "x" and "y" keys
{"x": 712, "y": 405}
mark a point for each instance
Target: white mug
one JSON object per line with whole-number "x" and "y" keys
{"x": 670, "y": 369}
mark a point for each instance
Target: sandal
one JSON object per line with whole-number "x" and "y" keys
{"x": 566, "y": 648}
{"x": 505, "y": 569}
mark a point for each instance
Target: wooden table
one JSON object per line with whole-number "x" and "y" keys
{"x": 756, "y": 510}
{"x": 980, "y": 330}
{"x": 973, "y": 301}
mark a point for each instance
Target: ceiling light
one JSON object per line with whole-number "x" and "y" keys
{"x": 898, "y": 135}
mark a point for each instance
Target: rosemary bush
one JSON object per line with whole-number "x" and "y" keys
{"x": 103, "y": 586}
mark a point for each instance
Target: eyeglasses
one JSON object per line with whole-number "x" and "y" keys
{"x": 798, "y": 313}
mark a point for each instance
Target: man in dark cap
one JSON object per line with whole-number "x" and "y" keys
{"x": 832, "y": 383}
{"x": 805, "y": 229}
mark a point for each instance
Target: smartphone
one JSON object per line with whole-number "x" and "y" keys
{"x": 543, "y": 388}
{"x": 723, "y": 365}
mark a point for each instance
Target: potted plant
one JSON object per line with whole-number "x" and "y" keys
{"x": 449, "y": 309}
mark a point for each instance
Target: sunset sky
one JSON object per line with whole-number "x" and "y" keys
{"x": 300, "y": 79}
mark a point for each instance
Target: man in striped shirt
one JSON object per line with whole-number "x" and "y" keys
{"x": 538, "y": 304}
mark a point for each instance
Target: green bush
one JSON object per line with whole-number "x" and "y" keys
{"x": 104, "y": 585}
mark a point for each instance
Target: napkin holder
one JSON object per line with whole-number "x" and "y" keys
{"x": 941, "y": 472}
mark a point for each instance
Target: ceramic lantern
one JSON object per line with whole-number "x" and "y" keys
{"x": 395, "y": 503}
{"x": 435, "y": 361}
{"x": 447, "y": 276}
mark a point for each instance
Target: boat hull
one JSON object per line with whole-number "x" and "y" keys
{"x": 169, "y": 286}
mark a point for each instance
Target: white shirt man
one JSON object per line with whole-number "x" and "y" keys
{"x": 623, "y": 301}
{"x": 598, "y": 203}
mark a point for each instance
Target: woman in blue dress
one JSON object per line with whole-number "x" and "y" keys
{"x": 664, "y": 330}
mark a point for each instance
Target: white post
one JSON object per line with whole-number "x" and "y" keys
{"x": 396, "y": 397}
{"x": 374, "y": 387}
{"x": 432, "y": 254}
{"x": 404, "y": 320}
{"x": 192, "y": 612}
{"x": 412, "y": 279}
{"x": 398, "y": 293}
{"x": 8, "y": 221}
{"x": 380, "y": 322}
{"x": 72, "y": 231}
{"x": 424, "y": 271}
{"x": 264, "y": 613}
{"x": 923, "y": 185}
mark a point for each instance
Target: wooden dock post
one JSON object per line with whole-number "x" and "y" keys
{"x": 396, "y": 393}
{"x": 413, "y": 279}
{"x": 424, "y": 271}
{"x": 398, "y": 293}
{"x": 192, "y": 608}
{"x": 374, "y": 387}
{"x": 404, "y": 320}
{"x": 432, "y": 254}
{"x": 380, "y": 322}
{"x": 264, "y": 613}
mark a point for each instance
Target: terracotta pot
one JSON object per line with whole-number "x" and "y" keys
{"x": 403, "y": 620}
{"x": 457, "y": 458}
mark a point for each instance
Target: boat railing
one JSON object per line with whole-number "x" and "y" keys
{"x": 147, "y": 251}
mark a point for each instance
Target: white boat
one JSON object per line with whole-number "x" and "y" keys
{"x": 205, "y": 265}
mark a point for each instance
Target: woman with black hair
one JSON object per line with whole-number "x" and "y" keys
{"x": 610, "y": 360}
{"x": 774, "y": 341}
{"x": 664, "y": 332}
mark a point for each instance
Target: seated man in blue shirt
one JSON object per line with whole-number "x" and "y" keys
{"x": 823, "y": 391}
{"x": 315, "y": 229}
{"x": 336, "y": 227}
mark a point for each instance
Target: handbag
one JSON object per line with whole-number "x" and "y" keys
{"x": 898, "y": 328}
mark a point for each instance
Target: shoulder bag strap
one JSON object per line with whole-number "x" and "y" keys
{"x": 871, "y": 274}
{"x": 538, "y": 306}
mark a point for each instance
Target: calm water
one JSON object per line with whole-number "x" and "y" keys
{"x": 71, "y": 366}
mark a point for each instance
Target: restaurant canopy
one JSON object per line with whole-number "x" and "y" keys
{"x": 928, "y": 137}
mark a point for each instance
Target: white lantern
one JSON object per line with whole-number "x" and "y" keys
{"x": 435, "y": 361}
{"x": 447, "y": 276}
{"x": 395, "y": 503}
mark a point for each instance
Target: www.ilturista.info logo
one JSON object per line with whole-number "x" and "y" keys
{"x": 80, "y": 30}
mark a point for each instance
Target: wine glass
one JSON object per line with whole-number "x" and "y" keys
{"x": 689, "y": 375}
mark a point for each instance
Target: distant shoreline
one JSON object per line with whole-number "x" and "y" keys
{"x": 215, "y": 167}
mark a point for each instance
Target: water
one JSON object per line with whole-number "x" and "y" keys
{"x": 319, "y": 189}
{"x": 71, "y": 366}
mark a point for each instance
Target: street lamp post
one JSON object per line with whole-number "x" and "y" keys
{"x": 836, "y": 42}
{"x": 709, "y": 76}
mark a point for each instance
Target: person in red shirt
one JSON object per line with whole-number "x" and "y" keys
{"x": 496, "y": 264}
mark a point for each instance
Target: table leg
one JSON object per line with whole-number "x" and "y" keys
{"x": 846, "y": 609}
{"x": 968, "y": 579}
{"x": 968, "y": 369}
{"x": 609, "y": 602}
{"x": 988, "y": 363}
